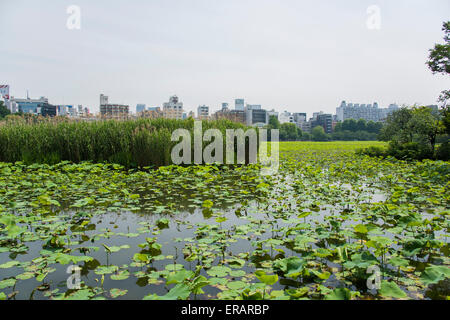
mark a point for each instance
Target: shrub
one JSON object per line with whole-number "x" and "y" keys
{"x": 443, "y": 152}
{"x": 410, "y": 151}
{"x": 373, "y": 152}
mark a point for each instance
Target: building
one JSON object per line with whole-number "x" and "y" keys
{"x": 368, "y": 112}
{"x": 286, "y": 117}
{"x": 47, "y": 110}
{"x": 4, "y": 92}
{"x": 152, "y": 113}
{"x": 203, "y": 112}
{"x": 140, "y": 108}
{"x": 65, "y": 110}
{"x": 109, "y": 110}
{"x": 255, "y": 116}
{"x": 103, "y": 99}
{"x": 32, "y": 106}
{"x": 173, "y": 109}
{"x": 232, "y": 115}
{"x": 114, "y": 110}
{"x": 225, "y": 106}
{"x": 323, "y": 120}
{"x": 239, "y": 104}
{"x": 305, "y": 126}
{"x": 299, "y": 117}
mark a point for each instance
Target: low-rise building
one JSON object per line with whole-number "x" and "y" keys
{"x": 110, "y": 110}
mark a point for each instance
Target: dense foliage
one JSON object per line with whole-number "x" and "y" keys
{"x": 3, "y": 110}
{"x": 356, "y": 130}
{"x": 132, "y": 143}
{"x": 287, "y": 131}
{"x": 413, "y": 134}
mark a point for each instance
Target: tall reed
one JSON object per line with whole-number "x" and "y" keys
{"x": 132, "y": 143}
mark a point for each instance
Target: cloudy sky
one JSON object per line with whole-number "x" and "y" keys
{"x": 294, "y": 55}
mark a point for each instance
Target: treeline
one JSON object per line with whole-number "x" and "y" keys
{"x": 348, "y": 130}
{"x": 357, "y": 130}
{"x": 131, "y": 143}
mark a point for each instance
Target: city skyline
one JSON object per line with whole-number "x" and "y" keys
{"x": 290, "y": 56}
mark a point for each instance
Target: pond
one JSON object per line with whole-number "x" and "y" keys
{"x": 214, "y": 232}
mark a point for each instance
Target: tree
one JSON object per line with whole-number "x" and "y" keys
{"x": 288, "y": 132}
{"x": 350, "y": 125}
{"x": 439, "y": 59}
{"x": 361, "y": 125}
{"x": 426, "y": 124}
{"x": 274, "y": 123}
{"x": 396, "y": 127}
{"x": 306, "y": 136}
{"x": 374, "y": 127}
{"x": 318, "y": 134}
{"x": 446, "y": 118}
{"x": 413, "y": 132}
{"x": 3, "y": 110}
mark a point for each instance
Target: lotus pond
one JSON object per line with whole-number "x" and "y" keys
{"x": 209, "y": 232}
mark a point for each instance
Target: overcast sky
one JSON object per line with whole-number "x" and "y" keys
{"x": 299, "y": 56}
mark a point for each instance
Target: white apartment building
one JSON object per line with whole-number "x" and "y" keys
{"x": 173, "y": 109}
{"x": 203, "y": 112}
{"x": 368, "y": 112}
{"x": 286, "y": 117}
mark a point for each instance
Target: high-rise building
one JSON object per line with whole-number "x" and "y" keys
{"x": 239, "y": 104}
{"x": 299, "y": 117}
{"x": 323, "y": 120}
{"x": 254, "y": 115}
{"x": 103, "y": 99}
{"x": 203, "y": 112}
{"x": 140, "y": 108}
{"x": 368, "y": 112}
{"x": 173, "y": 109}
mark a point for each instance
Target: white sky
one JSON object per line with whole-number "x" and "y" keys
{"x": 299, "y": 56}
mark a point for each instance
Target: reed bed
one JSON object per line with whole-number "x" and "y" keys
{"x": 131, "y": 143}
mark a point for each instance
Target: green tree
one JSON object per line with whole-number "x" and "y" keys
{"x": 412, "y": 132}
{"x": 350, "y": 125}
{"x": 425, "y": 124}
{"x": 361, "y": 125}
{"x": 3, "y": 110}
{"x": 446, "y": 118}
{"x": 288, "y": 132}
{"x": 274, "y": 123}
{"x": 318, "y": 134}
{"x": 374, "y": 127}
{"x": 439, "y": 59}
{"x": 397, "y": 127}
